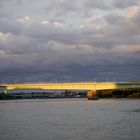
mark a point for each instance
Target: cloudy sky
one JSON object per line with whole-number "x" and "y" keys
{"x": 69, "y": 40}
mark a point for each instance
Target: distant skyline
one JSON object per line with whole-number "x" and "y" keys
{"x": 69, "y": 40}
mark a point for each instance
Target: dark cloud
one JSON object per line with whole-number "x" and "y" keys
{"x": 98, "y": 4}
{"x": 80, "y": 8}
{"x": 72, "y": 73}
{"x": 125, "y": 3}
{"x": 10, "y": 26}
{"x": 2, "y": 2}
{"x": 63, "y": 7}
{"x": 55, "y": 32}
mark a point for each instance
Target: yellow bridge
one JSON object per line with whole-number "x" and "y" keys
{"x": 92, "y": 87}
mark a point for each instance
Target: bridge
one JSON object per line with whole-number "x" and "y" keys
{"x": 91, "y": 87}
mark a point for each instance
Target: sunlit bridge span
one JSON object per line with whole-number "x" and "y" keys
{"x": 91, "y": 87}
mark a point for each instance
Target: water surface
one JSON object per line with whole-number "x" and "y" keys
{"x": 70, "y": 119}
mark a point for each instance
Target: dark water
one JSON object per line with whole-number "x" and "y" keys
{"x": 70, "y": 119}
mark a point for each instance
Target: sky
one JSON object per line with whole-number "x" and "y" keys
{"x": 69, "y": 40}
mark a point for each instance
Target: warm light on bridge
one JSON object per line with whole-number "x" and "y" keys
{"x": 72, "y": 86}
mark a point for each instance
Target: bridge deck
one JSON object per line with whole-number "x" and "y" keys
{"x": 73, "y": 86}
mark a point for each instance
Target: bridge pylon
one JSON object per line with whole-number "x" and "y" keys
{"x": 92, "y": 95}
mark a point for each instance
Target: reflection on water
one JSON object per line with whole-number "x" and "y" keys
{"x": 70, "y": 119}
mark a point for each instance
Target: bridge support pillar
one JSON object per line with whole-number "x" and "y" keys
{"x": 92, "y": 95}
{"x": 5, "y": 91}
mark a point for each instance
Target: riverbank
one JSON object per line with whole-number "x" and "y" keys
{"x": 125, "y": 93}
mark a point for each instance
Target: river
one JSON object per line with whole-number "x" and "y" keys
{"x": 70, "y": 119}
